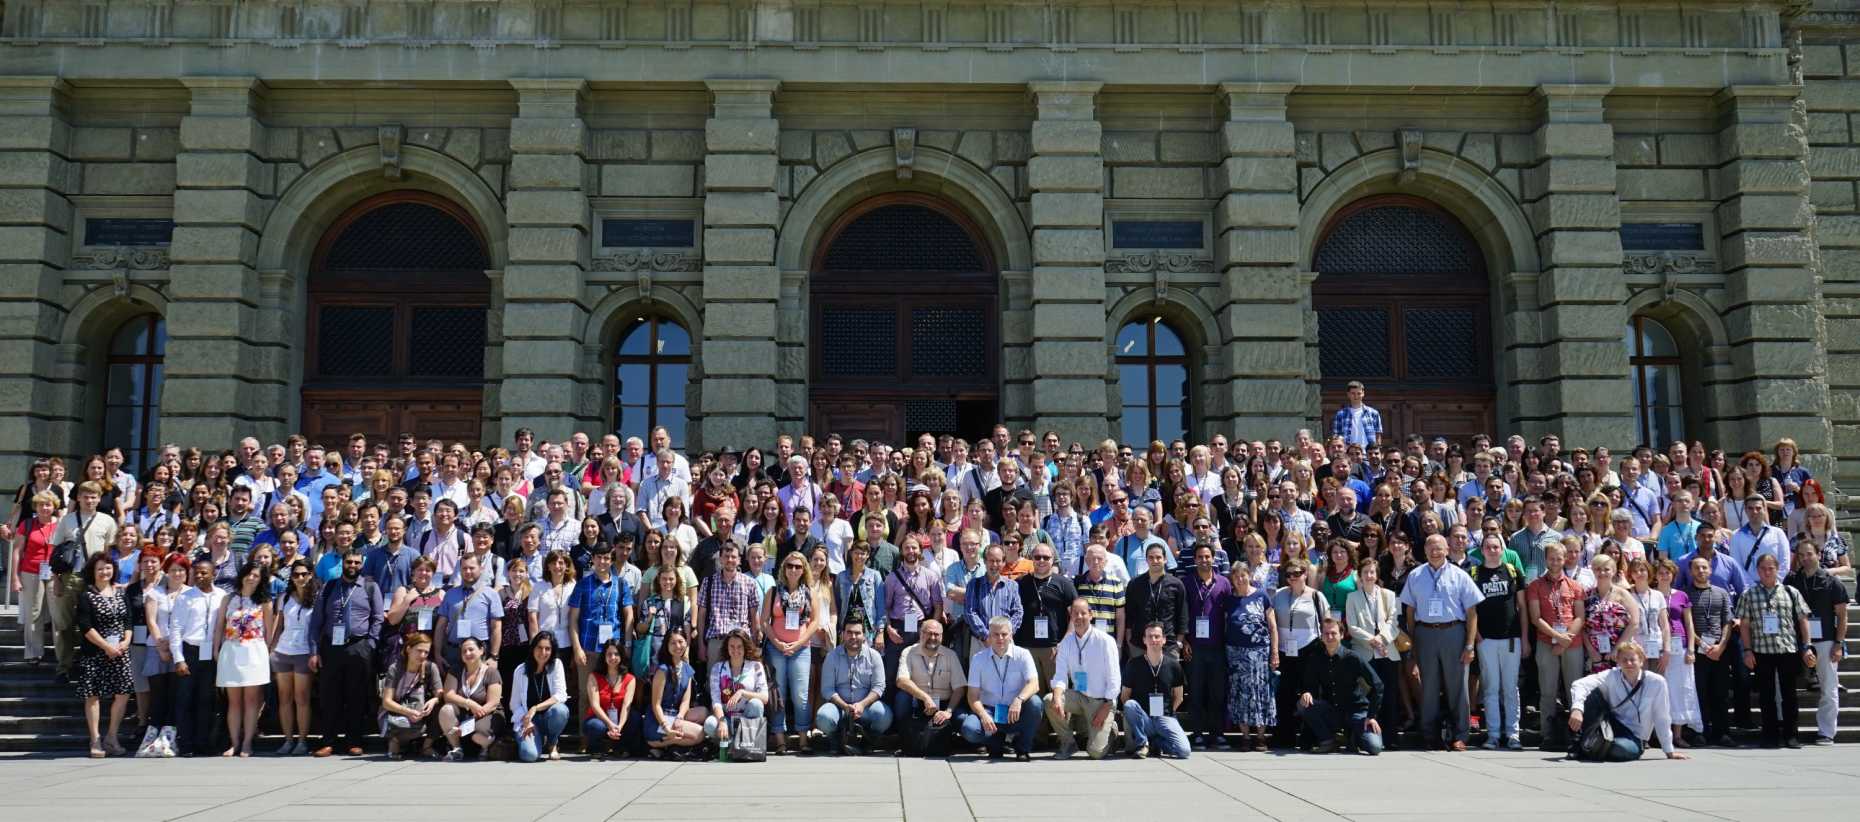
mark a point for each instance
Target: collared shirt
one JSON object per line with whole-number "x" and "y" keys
{"x": 1556, "y": 600}
{"x": 853, "y": 678}
{"x": 1748, "y": 545}
{"x": 600, "y": 603}
{"x": 445, "y": 552}
{"x": 938, "y": 675}
{"x": 1711, "y": 612}
{"x": 956, "y": 577}
{"x": 1679, "y": 538}
{"x": 912, "y": 592}
{"x": 1644, "y": 504}
{"x": 1649, "y": 709}
{"x": 999, "y": 679}
{"x": 1357, "y": 426}
{"x": 1725, "y": 572}
{"x": 191, "y": 619}
{"x": 1134, "y": 552}
{"x": 311, "y": 485}
{"x": 1442, "y": 595}
{"x": 652, "y": 496}
{"x": 1096, "y": 656}
{"x": 391, "y": 570}
{"x": 1163, "y": 600}
{"x": 1069, "y": 534}
{"x": 987, "y": 601}
{"x": 1530, "y": 548}
{"x": 468, "y": 612}
{"x": 244, "y": 530}
{"x": 1106, "y": 597}
{"x": 559, "y": 536}
{"x": 1204, "y": 602}
{"x": 1297, "y": 520}
{"x": 727, "y": 604}
{"x": 354, "y": 605}
{"x": 1334, "y": 677}
{"x": 1763, "y": 608}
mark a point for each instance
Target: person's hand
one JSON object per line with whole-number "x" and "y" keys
{"x": 6, "y": 532}
{"x": 1659, "y": 666}
{"x": 162, "y": 651}
{"x": 14, "y": 584}
{"x": 479, "y": 711}
{"x": 1750, "y": 659}
{"x": 315, "y": 663}
{"x": 1575, "y": 720}
{"x": 180, "y": 668}
{"x": 1836, "y": 653}
{"x": 1059, "y": 709}
{"x": 1808, "y": 657}
{"x": 856, "y": 710}
{"x": 1014, "y": 711}
{"x": 988, "y": 724}
{"x": 1524, "y": 648}
{"x": 1275, "y": 660}
{"x": 613, "y": 732}
{"x": 1103, "y": 716}
{"x": 893, "y": 634}
{"x": 1677, "y": 755}
{"x": 581, "y": 660}
{"x": 929, "y": 706}
{"x": 111, "y": 650}
{"x": 1372, "y": 726}
{"x": 1466, "y": 656}
{"x": 939, "y": 717}
{"x": 1714, "y": 652}
{"x": 1304, "y": 701}
{"x": 1188, "y": 652}
{"x": 1376, "y": 644}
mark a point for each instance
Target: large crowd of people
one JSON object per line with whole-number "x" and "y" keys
{"x": 1331, "y": 591}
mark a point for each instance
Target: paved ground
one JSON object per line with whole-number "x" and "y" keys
{"x": 1815, "y": 783}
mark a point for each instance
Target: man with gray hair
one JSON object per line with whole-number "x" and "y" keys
{"x": 1004, "y": 695}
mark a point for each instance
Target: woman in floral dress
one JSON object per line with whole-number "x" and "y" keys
{"x": 1252, "y": 653}
{"x": 1610, "y": 613}
{"x": 244, "y": 655}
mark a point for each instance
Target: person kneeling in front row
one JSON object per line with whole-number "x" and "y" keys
{"x": 1330, "y": 700}
{"x": 1004, "y": 695}
{"x": 1637, "y": 697}
{"x": 1151, "y": 694}
{"x": 1086, "y": 682}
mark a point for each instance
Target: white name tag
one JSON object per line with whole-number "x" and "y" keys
{"x": 1040, "y": 628}
{"x": 910, "y": 623}
{"x": 460, "y": 628}
{"x": 468, "y": 725}
{"x": 603, "y": 633}
{"x": 1156, "y": 704}
{"x": 1603, "y": 644}
{"x": 423, "y": 619}
{"x": 1814, "y": 630}
{"x": 338, "y": 634}
{"x": 45, "y": 571}
{"x": 206, "y": 650}
{"x": 139, "y": 635}
{"x": 1201, "y": 627}
{"x": 1103, "y": 625}
{"x": 1436, "y": 610}
{"x": 1771, "y": 624}
{"x": 1676, "y": 646}
{"x": 791, "y": 620}
{"x": 1300, "y": 637}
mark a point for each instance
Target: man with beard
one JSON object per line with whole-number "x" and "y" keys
{"x": 345, "y": 623}
{"x": 930, "y": 688}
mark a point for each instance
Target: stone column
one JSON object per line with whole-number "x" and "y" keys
{"x": 38, "y": 416}
{"x": 1578, "y": 386}
{"x": 741, "y": 283}
{"x": 1265, "y": 297}
{"x": 1772, "y": 316}
{"x": 544, "y": 304}
{"x": 1066, "y": 175}
{"x": 228, "y": 374}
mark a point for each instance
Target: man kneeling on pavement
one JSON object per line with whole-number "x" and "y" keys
{"x": 1332, "y": 700}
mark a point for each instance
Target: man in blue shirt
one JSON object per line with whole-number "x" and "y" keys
{"x": 601, "y": 608}
{"x": 1443, "y": 618}
{"x": 313, "y": 479}
{"x": 1355, "y": 422}
{"x": 992, "y": 595}
{"x": 1725, "y": 572}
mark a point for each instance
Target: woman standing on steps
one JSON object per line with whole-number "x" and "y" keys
{"x": 244, "y": 655}
{"x": 157, "y": 604}
{"x": 103, "y": 661}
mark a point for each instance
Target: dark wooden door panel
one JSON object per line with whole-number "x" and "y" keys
{"x": 871, "y": 419}
{"x": 330, "y": 415}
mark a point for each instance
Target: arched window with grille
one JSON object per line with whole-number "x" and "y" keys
{"x": 1152, "y": 378}
{"x": 132, "y": 390}
{"x": 1659, "y": 384}
{"x": 651, "y": 365}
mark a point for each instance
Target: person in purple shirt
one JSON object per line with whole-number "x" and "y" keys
{"x": 1206, "y": 652}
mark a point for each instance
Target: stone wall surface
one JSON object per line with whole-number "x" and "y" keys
{"x": 1543, "y": 129}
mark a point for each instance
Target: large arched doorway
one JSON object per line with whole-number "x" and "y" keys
{"x": 902, "y": 323}
{"x": 1403, "y": 306}
{"x": 396, "y": 330}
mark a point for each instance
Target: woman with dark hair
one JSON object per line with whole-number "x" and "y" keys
{"x": 739, "y": 687}
{"x": 411, "y": 608}
{"x": 539, "y": 701}
{"x": 671, "y": 721}
{"x": 290, "y": 657}
{"x": 750, "y": 469}
{"x": 146, "y": 577}
{"x": 244, "y": 655}
{"x": 103, "y": 661}
{"x": 473, "y": 698}
{"x": 609, "y": 724}
{"x": 410, "y": 698}
{"x": 157, "y": 604}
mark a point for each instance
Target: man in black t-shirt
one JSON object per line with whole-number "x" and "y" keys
{"x": 1500, "y": 647}
{"x": 1151, "y": 694}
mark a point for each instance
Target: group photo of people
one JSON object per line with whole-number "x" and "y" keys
{"x": 612, "y": 596}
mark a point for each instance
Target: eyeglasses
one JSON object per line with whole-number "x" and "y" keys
{"x": 1042, "y": 558}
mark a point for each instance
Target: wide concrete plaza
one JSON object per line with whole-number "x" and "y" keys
{"x": 1736, "y": 785}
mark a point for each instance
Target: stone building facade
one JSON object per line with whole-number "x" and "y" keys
{"x": 1579, "y": 164}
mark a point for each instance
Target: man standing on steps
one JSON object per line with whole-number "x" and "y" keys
{"x": 1827, "y": 633}
{"x": 191, "y": 644}
{"x": 1443, "y": 618}
{"x": 345, "y": 623}
{"x": 1356, "y": 423}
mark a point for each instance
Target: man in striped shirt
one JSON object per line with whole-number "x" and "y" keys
{"x": 1104, "y": 591}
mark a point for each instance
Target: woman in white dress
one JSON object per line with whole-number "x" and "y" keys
{"x": 244, "y": 656}
{"x": 1681, "y": 650}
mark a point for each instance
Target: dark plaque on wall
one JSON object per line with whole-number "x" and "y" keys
{"x": 128, "y": 231}
{"x": 1156, "y": 234}
{"x": 648, "y": 233}
{"x": 1662, "y": 237}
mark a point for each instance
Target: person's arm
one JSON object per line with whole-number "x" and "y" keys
{"x": 1472, "y": 635}
{"x": 1175, "y": 698}
{"x": 1658, "y": 710}
{"x": 658, "y": 699}
{"x": 1027, "y": 690}
{"x": 392, "y": 705}
{"x": 878, "y": 686}
{"x": 496, "y": 609}
{"x": 1579, "y": 693}
{"x": 717, "y": 672}
{"x": 574, "y": 630}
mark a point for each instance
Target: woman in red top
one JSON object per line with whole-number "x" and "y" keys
{"x": 31, "y": 573}
{"x": 717, "y": 490}
{"x": 610, "y": 705}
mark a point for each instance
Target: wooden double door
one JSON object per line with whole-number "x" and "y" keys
{"x": 396, "y": 326}
{"x": 903, "y": 332}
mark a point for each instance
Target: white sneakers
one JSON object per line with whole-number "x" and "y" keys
{"x": 148, "y": 749}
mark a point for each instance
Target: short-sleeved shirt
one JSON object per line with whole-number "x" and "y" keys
{"x": 1556, "y": 600}
{"x": 600, "y": 603}
{"x": 938, "y": 675}
{"x": 1824, "y": 595}
{"x": 1142, "y": 680}
{"x": 1498, "y": 612}
{"x": 998, "y": 680}
{"x": 1771, "y": 614}
{"x": 1106, "y": 597}
{"x": 469, "y": 612}
{"x": 1440, "y": 596}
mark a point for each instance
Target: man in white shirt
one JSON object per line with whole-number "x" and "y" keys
{"x": 1638, "y": 698}
{"x": 1086, "y": 681}
{"x": 190, "y": 646}
{"x": 681, "y": 467}
{"x": 1757, "y": 537}
{"x": 983, "y": 477}
{"x": 449, "y": 484}
{"x": 445, "y": 543}
{"x": 661, "y": 485}
{"x": 531, "y": 462}
{"x": 1643, "y": 502}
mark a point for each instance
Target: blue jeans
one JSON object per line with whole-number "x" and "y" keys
{"x": 751, "y": 710}
{"x": 1160, "y": 732}
{"x": 1323, "y": 720}
{"x": 790, "y": 675}
{"x": 1021, "y": 730}
{"x": 549, "y": 725}
{"x": 594, "y": 730}
{"x": 876, "y": 719}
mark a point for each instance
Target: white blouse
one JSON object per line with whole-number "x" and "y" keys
{"x": 550, "y": 605}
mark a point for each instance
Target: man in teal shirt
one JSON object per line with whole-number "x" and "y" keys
{"x": 1530, "y": 542}
{"x": 1680, "y": 537}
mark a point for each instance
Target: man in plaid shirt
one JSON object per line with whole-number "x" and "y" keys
{"x": 1356, "y": 423}
{"x": 726, "y": 601}
{"x": 1773, "y": 620}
